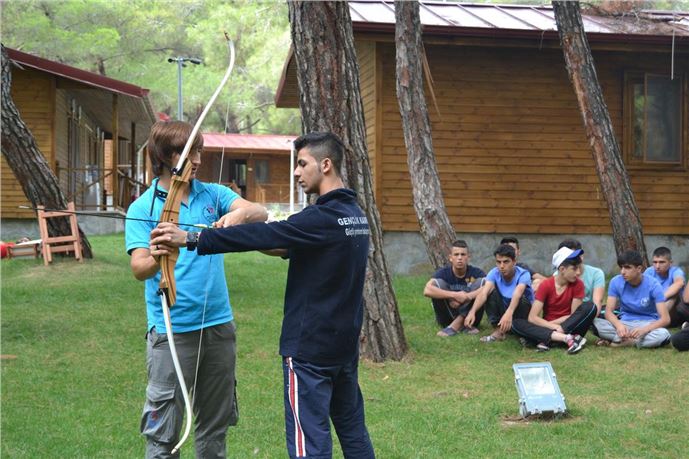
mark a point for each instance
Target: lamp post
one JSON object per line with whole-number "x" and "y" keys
{"x": 181, "y": 63}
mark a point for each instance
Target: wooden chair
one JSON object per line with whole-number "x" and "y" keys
{"x": 57, "y": 244}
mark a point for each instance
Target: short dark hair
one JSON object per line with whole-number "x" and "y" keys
{"x": 505, "y": 250}
{"x": 166, "y": 139}
{"x": 323, "y": 145}
{"x": 663, "y": 252}
{"x": 576, "y": 261}
{"x": 509, "y": 240}
{"x": 570, "y": 244}
{"x": 460, "y": 243}
{"x": 630, "y": 257}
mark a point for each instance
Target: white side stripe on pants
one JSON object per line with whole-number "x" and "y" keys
{"x": 293, "y": 390}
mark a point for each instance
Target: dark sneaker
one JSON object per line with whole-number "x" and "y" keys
{"x": 575, "y": 344}
{"x": 542, "y": 347}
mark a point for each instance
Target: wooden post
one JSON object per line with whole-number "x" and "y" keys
{"x": 133, "y": 161}
{"x": 114, "y": 155}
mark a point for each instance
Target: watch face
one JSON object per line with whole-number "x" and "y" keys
{"x": 192, "y": 239}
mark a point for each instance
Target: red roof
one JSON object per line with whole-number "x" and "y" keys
{"x": 453, "y": 18}
{"x": 75, "y": 74}
{"x": 248, "y": 142}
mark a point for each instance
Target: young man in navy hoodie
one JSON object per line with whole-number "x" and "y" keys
{"x": 327, "y": 245}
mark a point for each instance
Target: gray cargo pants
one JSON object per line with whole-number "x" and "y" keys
{"x": 214, "y": 401}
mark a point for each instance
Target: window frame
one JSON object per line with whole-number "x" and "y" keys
{"x": 630, "y": 78}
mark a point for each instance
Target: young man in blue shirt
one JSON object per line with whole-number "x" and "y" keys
{"x": 642, "y": 314}
{"x": 672, "y": 280}
{"x": 536, "y": 278}
{"x": 202, "y": 319}
{"x": 327, "y": 245}
{"x": 506, "y": 294}
{"x": 452, "y": 290}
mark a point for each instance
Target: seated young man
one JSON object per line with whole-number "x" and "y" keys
{"x": 592, "y": 277}
{"x": 452, "y": 289}
{"x": 506, "y": 294}
{"x": 536, "y": 278}
{"x": 643, "y": 313}
{"x": 672, "y": 280}
{"x": 566, "y": 318}
{"x": 680, "y": 340}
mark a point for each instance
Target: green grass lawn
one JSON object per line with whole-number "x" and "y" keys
{"x": 76, "y": 386}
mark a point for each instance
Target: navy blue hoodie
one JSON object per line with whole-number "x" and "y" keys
{"x": 328, "y": 249}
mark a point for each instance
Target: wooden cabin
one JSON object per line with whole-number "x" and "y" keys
{"x": 508, "y": 136}
{"x": 90, "y": 128}
{"x": 257, "y": 164}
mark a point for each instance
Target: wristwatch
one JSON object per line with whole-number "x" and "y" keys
{"x": 192, "y": 240}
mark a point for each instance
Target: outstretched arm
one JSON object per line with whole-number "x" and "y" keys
{"x": 242, "y": 211}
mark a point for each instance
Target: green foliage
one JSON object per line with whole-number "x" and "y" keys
{"x": 76, "y": 386}
{"x": 131, "y": 41}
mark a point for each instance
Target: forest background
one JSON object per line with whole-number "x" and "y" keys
{"x": 131, "y": 40}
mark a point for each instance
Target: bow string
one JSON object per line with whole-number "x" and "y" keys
{"x": 179, "y": 183}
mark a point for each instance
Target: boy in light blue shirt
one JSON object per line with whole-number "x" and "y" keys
{"x": 643, "y": 312}
{"x": 672, "y": 280}
{"x": 507, "y": 294}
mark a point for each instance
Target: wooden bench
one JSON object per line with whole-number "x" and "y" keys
{"x": 25, "y": 249}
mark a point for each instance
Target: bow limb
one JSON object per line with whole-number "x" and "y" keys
{"x": 179, "y": 183}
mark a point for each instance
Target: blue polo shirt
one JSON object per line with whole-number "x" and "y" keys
{"x": 506, "y": 288}
{"x": 200, "y": 280}
{"x": 673, "y": 273}
{"x": 637, "y": 303}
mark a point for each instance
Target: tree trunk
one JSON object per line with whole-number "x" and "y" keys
{"x": 627, "y": 231}
{"x": 330, "y": 100}
{"x": 436, "y": 229}
{"x": 29, "y": 165}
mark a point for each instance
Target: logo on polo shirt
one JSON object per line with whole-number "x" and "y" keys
{"x": 209, "y": 214}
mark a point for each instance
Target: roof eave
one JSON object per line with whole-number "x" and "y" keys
{"x": 483, "y": 32}
{"x": 76, "y": 74}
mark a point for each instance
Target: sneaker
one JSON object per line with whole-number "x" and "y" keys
{"x": 542, "y": 347}
{"x": 575, "y": 344}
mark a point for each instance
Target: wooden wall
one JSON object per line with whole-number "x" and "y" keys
{"x": 34, "y": 95}
{"x": 510, "y": 144}
{"x": 62, "y": 135}
{"x": 366, "y": 55}
{"x": 275, "y": 190}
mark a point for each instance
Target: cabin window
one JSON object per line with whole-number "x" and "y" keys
{"x": 653, "y": 119}
{"x": 261, "y": 171}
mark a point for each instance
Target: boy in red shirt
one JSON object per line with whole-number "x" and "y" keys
{"x": 565, "y": 318}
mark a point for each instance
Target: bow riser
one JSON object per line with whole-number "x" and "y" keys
{"x": 171, "y": 214}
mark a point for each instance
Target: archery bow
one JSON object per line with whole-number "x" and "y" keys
{"x": 168, "y": 291}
